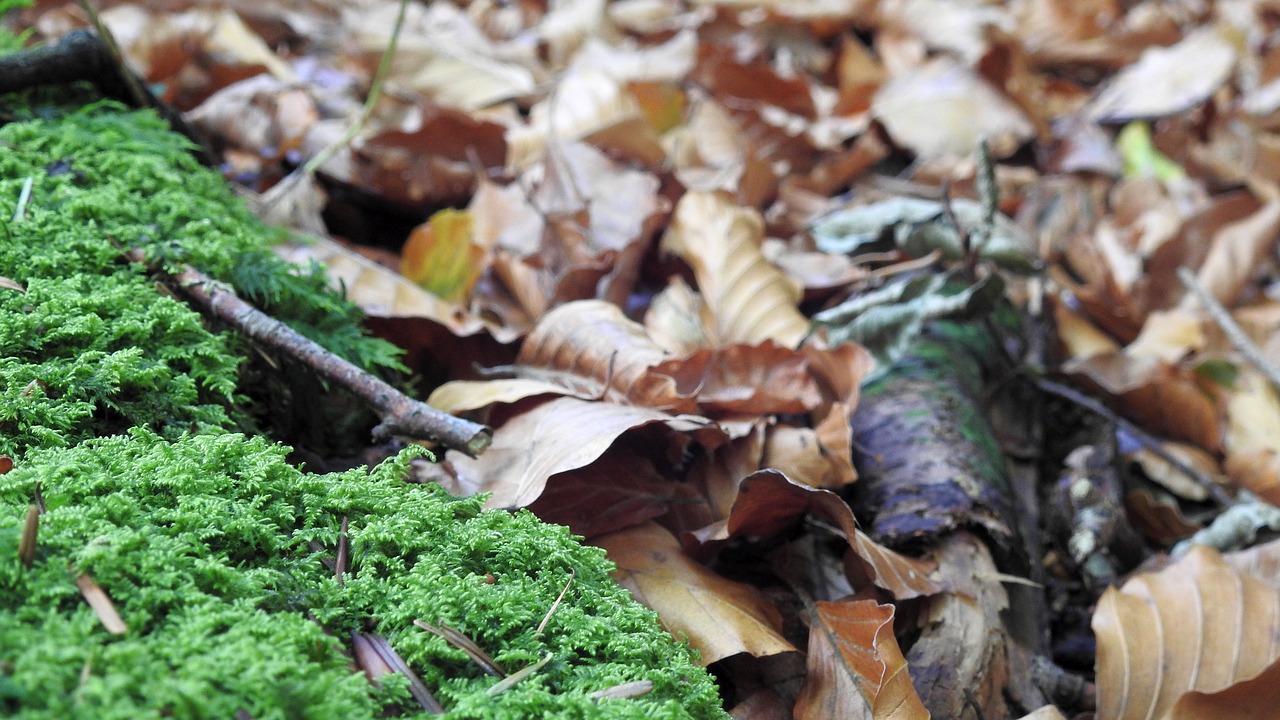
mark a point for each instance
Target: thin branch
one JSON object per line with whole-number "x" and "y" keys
{"x": 1148, "y": 441}
{"x": 1235, "y": 334}
{"x": 401, "y": 415}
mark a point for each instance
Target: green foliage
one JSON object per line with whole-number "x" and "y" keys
{"x": 205, "y": 547}
{"x": 91, "y": 348}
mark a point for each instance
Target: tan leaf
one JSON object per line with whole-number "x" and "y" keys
{"x": 442, "y": 55}
{"x": 1236, "y": 254}
{"x": 720, "y": 617}
{"x": 1198, "y": 624}
{"x": 1254, "y": 699}
{"x": 1252, "y": 436}
{"x": 592, "y": 339}
{"x": 759, "y": 379}
{"x": 941, "y": 109}
{"x": 855, "y": 668}
{"x": 1168, "y": 80}
{"x": 750, "y": 300}
{"x": 586, "y": 102}
{"x": 712, "y": 152}
{"x": 558, "y": 435}
{"x": 677, "y": 319}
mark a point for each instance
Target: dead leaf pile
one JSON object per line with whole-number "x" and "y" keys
{"x": 621, "y": 219}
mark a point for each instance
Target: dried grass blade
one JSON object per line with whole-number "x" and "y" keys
{"x": 624, "y": 691}
{"x": 511, "y": 680}
{"x": 102, "y": 605}
{"x": 385, "y": 659}
{"x": 467, "y": 645}
{"x": 30, "y": 531}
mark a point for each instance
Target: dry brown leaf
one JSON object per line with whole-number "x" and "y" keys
{"x": 593, "y": 340}
{"x": 1157, "y": 518}
{"x": 670, "y": 61}
{"x": 1168, "y": 80}
{"x": 940, "y": 110}
{"x": 1236, "y": 255}
{"x": 1260, "y": 562}
{"x": 1253, "y": 699}
{"x": 750, "y": 300}
{"x": 585, "y": 103}
{"x": 442, "y": 55}
{"x": 710, "y": 151}
{"x": 617, "y": 491}
{"x": 434, "y": 163}
{"x": 676, "y": 319}
{"x": 720, "y": 617}
{"x": 1198, "y": 624}
{"x": 769, "y": 502}
{"x": 193, "y": 52}
{"x": 557, "y": 436}
{"x": 759, "y": 379}
{"x": 1252, "y": 436}
{"x": 855, "y": 668}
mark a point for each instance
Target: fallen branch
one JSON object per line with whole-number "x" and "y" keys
{"x": 401, "y": 415}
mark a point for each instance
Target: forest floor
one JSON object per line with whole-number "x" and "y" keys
{"x": 893, "y": 349}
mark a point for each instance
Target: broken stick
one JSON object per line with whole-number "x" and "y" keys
{"x": 401, "y": 415}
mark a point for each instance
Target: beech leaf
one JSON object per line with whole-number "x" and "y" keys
{"x": 720, "y": 617}
{"x": 749, "y": 299}
{"x": 441, "y": 257}
{"x": 855, "y": 667}
{"x": 1197, "y": 625}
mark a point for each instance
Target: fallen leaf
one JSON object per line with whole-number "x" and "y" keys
{"x": 1168, "y": 80}
{"x": 567, "y": 434}
{"x": 941, "y": 109}
{"x": 855, "y": 668}
{"x": 441, "y": 256}
{"x": 768, "y": 502}
{"x": 750, "y": 300}
{"x": 719, "y": 617}
{"x": 1198, "y": 624}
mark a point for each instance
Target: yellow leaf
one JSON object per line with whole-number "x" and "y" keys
{"x": 440, "y": 256}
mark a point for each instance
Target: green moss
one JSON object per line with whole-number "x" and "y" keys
{"x": 204, "y": 545}
{"x": 104, "y": 349}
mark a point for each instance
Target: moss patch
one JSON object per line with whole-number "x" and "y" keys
{"x": 205, "y": 545}
{"x": 119, "y": 403}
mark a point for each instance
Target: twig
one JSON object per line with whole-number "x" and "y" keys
{"x": 1235, "y": 334}
{"x": 401, "y": 415}
{"x": 375, "y": 92}
{"x": 1148, "y": 441}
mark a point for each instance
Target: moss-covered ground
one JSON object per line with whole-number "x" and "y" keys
{"x": 126, "y": 413}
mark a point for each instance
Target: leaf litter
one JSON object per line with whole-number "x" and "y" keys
{"x": 661, "y": 197}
